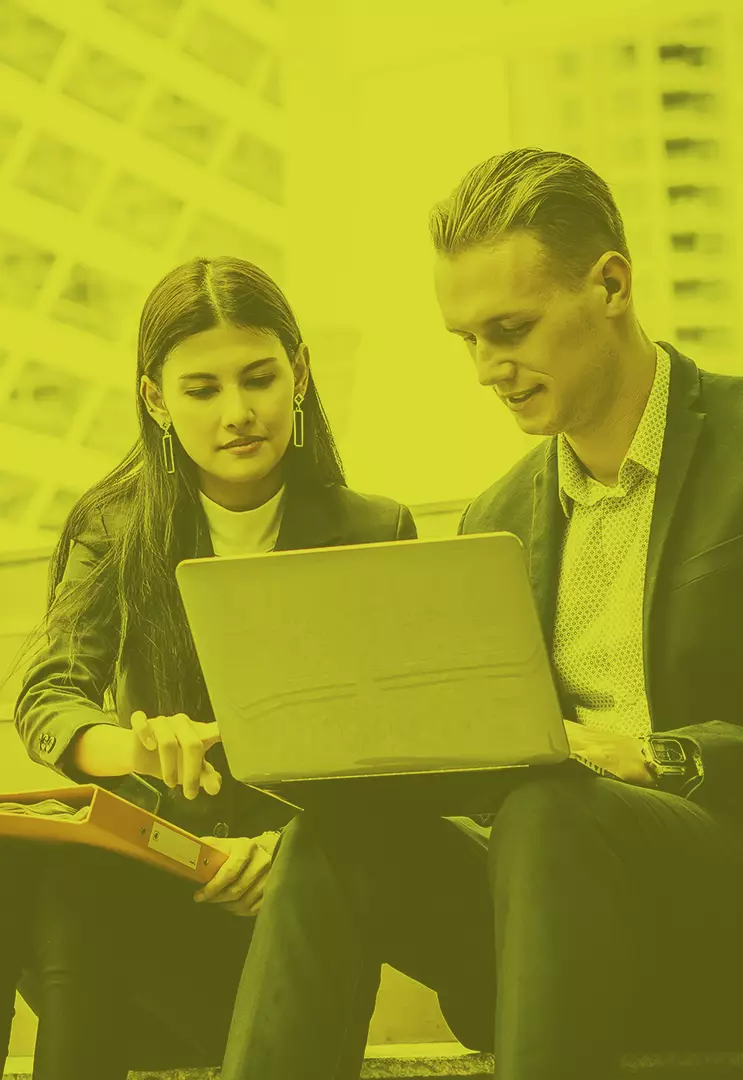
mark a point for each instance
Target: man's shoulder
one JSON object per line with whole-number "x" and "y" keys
{"x": 720, "y": 450}
{"x": 717, "y": 391}
{"x": 718, "y": 397}
{"x": 722, "y": 392}
{"x": 510, "y": 496}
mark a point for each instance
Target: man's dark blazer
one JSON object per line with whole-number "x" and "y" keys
{"x": 693, "y": 604}
{"x": 52, "y": 707}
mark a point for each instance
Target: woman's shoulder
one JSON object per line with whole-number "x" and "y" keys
{"x": 377, "y": 516}
{"x": 364, "y": 503}
{"x": 99, "y": 524}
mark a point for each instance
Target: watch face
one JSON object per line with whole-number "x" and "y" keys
{"x": 668, "y": 752}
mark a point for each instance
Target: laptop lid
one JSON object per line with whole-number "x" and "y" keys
{"x": 408, "y": 656}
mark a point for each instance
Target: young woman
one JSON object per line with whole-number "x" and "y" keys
{"x": 234, "y": 456}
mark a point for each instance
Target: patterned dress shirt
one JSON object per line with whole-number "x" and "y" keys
{"x": 598, "y": 642}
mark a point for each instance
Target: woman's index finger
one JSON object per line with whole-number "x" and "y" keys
{"x": 142, "y": 729}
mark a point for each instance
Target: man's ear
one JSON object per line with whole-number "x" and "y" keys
{"x": 616, "y": 280}
{"x": 153, "y": 400}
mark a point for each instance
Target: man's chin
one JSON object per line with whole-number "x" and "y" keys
{"x": 539, "y": 426}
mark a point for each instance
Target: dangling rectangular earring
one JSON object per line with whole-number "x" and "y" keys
{"x": 168, "y": 457}
{"x": 298, "y": 417}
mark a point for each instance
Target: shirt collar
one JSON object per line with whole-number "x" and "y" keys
{"x": 642, "y": 458}
{"x": 243, "y": 531}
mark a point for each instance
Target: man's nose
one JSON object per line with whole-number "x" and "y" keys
{"x": 491, "y": 368}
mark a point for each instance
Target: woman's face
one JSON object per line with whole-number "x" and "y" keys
{"x": 229, "y": 393}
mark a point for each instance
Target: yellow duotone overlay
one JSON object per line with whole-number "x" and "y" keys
{"x": 312, "y": 137}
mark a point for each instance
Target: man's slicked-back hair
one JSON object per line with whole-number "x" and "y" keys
{"x": 556, "y": 198}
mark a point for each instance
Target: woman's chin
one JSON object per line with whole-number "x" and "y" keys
{"x": 238, "y": 471}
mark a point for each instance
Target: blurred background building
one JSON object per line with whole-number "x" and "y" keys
{"x": 312, "y": 139}
{"x": 133, "y": 135}
{"x": 656, "y": 109}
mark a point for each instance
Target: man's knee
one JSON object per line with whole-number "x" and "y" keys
{"x": 551, "y": 813}
{"x": 300, "y": 840}
{"x": 547, "y": 796}
{"x": 366, "y": 852}
{"x": 314, "y": 843}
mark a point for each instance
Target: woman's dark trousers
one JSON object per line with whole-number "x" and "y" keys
{"x": 123, "y": 968}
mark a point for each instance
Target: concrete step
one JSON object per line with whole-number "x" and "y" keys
{"x": 447, "y": 1062}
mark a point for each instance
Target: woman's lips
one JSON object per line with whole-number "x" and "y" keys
{"x": 246, "y": 448}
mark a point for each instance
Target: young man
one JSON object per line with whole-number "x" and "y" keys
{"x": 602, "y": 915}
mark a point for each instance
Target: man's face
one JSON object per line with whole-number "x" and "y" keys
{"x": 543, "y": 348}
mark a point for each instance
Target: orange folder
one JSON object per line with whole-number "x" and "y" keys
{"x": 117, "y": 825}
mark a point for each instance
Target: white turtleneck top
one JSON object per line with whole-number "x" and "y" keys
{"x": 244, "y": 532}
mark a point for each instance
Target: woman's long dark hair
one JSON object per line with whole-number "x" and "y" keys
{"x": 157, "y": 515}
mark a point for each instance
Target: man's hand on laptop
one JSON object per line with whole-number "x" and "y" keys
{"x": 174, "y": 748}
{"x": 619, "y": 754}
{"x": 238, "y": 884}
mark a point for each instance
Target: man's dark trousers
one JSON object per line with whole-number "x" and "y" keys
{"x": 602, "y": 918}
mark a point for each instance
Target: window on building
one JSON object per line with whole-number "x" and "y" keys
{"x": 23, "y": 269}
{"x": 16, "y": 492}
{"x": 28, "y": 43}
{"x": 693, "y": 55}
{"x": 43, "y": 399}
{"x": 692, "y": 148}
{"x": 688, "y": 100}
{"x": 104, "y": 83}
{"x": 138, "y": 210}
{"x": 224, "y": 48}
{"x": 58, "y": 172}
{"x": 704, "y": 335}
{"x": 694, "y": 193}
{"x": 700, "y": 289}
{"x": 257, "y": 166}
{"x": 705, "y": 243}
{"x": 184, "y": 126}
{"x": 98, "y": 302}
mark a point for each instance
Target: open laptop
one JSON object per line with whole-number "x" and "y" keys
{"x": 376, "y": 662}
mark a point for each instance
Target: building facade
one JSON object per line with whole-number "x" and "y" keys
{"x": 655, "y": 106}
{"x": 134, "y": 134}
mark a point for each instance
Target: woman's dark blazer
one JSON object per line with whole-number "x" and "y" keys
{"x": 54, "y": 704}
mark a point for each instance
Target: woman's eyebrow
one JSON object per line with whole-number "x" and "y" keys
{"x": 211, "y": 375}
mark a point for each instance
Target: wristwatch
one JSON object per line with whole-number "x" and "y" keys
{"x": 673, "y": 762}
